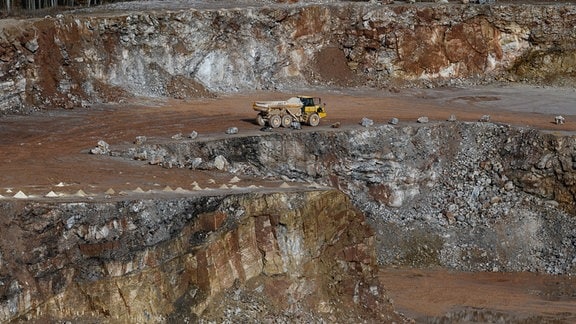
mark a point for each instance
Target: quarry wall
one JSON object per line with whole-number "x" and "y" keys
{"x": 468, "y": 196}
{"x": 80, "y": 57}
{"x": 166, "y": 260}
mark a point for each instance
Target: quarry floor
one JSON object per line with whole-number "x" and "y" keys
{"x": 49, "y": 151}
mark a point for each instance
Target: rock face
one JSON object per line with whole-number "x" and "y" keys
{"x": 83, "y": 57}
{"x": 470, "y": 196}
{"x": 170, "y": 259}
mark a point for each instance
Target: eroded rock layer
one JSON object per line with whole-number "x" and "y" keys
{"x": 469, "y": 196}
{"x": 159, "y": 260}
{"x": 77, "y": 58}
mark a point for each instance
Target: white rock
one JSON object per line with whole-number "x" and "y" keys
{"x": 20, "y": 195}
{"x": 51, "y": 194}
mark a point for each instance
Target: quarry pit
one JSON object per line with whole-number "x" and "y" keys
{"x": 437, "y": 222}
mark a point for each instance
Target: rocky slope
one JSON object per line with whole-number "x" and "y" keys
{"x": 304, "y": 255}
{"x": 82, "y": 57}
{"x": 469, "y": 196}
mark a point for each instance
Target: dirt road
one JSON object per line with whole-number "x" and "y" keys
{"x": 51, "y": 147}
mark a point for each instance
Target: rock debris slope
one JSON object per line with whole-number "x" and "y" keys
{"x": 468, "y": 196}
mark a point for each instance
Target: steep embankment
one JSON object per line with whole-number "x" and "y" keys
{"x": 306, "y": 255}
{"x": 75, "y": 58}
{"x": 469, "y": 196}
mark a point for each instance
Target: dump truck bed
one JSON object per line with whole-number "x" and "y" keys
{"x": 279, "y": 104}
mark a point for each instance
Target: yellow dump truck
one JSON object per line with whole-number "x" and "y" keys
{"x": 303, "y": 109}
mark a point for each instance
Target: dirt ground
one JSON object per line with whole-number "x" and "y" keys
{"x": 482, "y": 297}
{"x": 48, "y": 151}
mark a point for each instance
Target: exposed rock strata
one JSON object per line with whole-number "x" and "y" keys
{"x": 168, "y": 259}
{"x": 74, "y": 59}
{"x": 471, "y": 196}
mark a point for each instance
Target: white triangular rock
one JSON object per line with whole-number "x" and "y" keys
{"x": 224, "y": 186}
{"x": 110, "y": 191}
{"x": 196, "y": 187}
{"x": 180, "y": 190}
{"x": 61, "y": 184}
{"x": 20, "y": 195}
{"x": 51, "y": 194}
{"x": 211, "y": 181}
{"x": 234, "y": 180}
{"x": 80, "y": 193}
{"x": 139, "y": 190}
{"x": 168, "y": 188}
{"x": 284, "y": 185}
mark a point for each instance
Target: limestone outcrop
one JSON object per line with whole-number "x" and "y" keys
{"x": 169, "y": 260}
{"x": 85, "y": 56}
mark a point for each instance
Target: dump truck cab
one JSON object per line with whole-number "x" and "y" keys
{"x": 312, "y": 105}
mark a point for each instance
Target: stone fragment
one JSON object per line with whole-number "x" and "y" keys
{"x": 452, "y": 118}
{"x": 422, "y": 120}
{"x": 393, "y": 121}
{"x": 101, "y": 148}
{"x": 178, "y": 136}
{"x": 552, "y": 203}
{"x": 32, "y": 45}
{"x": 449, "y": 217}
{"x": 232, "y": 130}
{"x": 110, "y": 191}
{"x": 220, "y": 162}
{"x": 140, "y": 140}
{"x": 509, "y": 185}
{"x": 485, "y": 118}
{"x": 559, "y": 120}
{"x": 193, "y": 135}
{"x": 296, "y": 125}
{"x": 366, "y": 122}
{"x": 335, "y": 125}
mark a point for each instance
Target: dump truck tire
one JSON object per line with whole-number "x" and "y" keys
{"x": 260, "y": 120}
{"x": 286, "y": 121}
{"x": 275, "y": 121}
{"x": 314, "y": 120}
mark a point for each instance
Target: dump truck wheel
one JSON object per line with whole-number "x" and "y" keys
{"x": 286, "y": 121}
{"x": 260, "y": 120}
{"x": 314, "y": 120}
{"x": 275, "y": 121}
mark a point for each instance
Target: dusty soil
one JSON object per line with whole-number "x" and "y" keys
{"x": 436, "y": 295}
{"x": 49, "y": 151}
